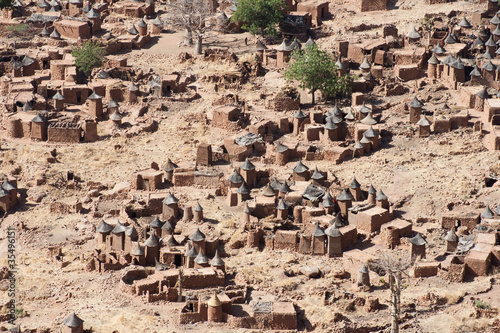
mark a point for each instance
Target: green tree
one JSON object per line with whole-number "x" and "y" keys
{"x": 260, "y": 17}
{"x": 88, "y": 56}
{"x": 315, "y": 70}
{"x": 6, "y": 3}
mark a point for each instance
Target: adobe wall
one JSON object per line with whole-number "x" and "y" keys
{"x": 285, "y": 104}
{"x": 477, "y": 265}
{"x": 170, "y": 295}
{"x": 241, "y": 322}
{"x": 371, "y": 5}
{"x": 155, "y": 206}
{"x": 452, "y": 219}
{"x": 349, "y": 236}
{"x": 64, "y": 132}
{"x": 58, "y": 69}
{"x": 183, "y": 178}
{"x": 222, "y": 119}
{"x": 407, "y": 72}
{"x": 190, "y": 317}
{"x": 75, "y": 95}
{"x": 62, "y": 208}
{"x": 286, "y": 240}
{"x": 73, "y": 30}
{"x": 284, "y": 321}
{"x": 426, "y": 269}
{"x": 203, "y": 281}
{"x": 148, "y": 285}
{"x": 371, "y": 222}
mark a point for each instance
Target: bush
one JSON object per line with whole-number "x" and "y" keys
{"x": 481, "y": 305}
{"x": 19, "y": 28}
{"x": 88, "y": 56}
{"x": 6, "y": 3}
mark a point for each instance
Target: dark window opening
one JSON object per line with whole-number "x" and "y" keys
{"x": 489, "y": 181}
{"x": 178, "y": 260}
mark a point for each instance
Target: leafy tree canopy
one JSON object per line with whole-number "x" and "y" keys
{"x": 88, "y": 56}
{"x": 315, "y": 70}
{"x": 6, "y": 3}
{"x": 260, "y": 17}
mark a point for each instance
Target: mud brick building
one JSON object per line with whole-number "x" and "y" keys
{"x": 75, "y": 94}
{"x": 64, "y": 132}
{"x": 147, "y": 180}
{"x": 58, "y": 68}
{"x": 8, "y": 195}
{"x": 134, "y": 9}
{"x": 74, "y": 29}
{"x": 373, "y": 50}
{"x": 316, "y": 8}
{"x": 173, "y": 83}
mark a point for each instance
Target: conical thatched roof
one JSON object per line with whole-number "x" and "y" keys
{"x": 73, "y": 321}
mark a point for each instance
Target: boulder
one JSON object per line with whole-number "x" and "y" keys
{"x": 310, "y": 271}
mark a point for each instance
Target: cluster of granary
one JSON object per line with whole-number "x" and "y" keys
{"x": 323, "y": 134}
{"x": 462, "y": 56}
{"x": 218, "y": 308}
{"x": 202, "y": 267}
{"x": 325, "y": 220}
{"x": 37, "y": 104}
{"x": 37, "y": 100}
{"x": 77, "y": 19}
{"x": 120, "y": 245}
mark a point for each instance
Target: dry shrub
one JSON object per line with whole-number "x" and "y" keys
{"x": 201, "y": 130}
{"x": 130, "y": 323}
{"x": 316, "y": 311}
{"x": 287, "y": 284}
{"x": 483, "y": 325}
{"x": 9, "y": 156}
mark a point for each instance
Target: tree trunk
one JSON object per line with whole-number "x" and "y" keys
{"x": 197, "y": 46}
{"x": 188, "y": 37}
{"x": 395, "y": 284}
{"x": 312, "y": 93}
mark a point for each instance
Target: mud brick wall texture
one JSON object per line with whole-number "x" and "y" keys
{"x": 68, "y": 135}
{"x": 371, "y": 5}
